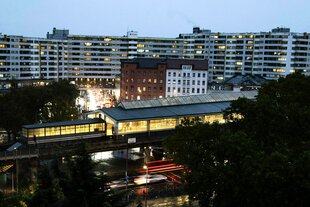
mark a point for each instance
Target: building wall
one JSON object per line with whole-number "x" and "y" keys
{"x": 142, "y": 83}
{"x": 96, "y": 59}
{"x": 186, "y": 81}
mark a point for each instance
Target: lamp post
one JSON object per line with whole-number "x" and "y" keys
{"x": 146, "y": 175}
{"x": 16, "y": 165}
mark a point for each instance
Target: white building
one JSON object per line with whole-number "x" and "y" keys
{"x": 186, "y": 77}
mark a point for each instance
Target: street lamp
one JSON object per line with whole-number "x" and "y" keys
{"x": 146, "y": 175}
{"x": 16, "y": 165}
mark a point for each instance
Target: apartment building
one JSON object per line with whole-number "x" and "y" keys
{"x": 271, "y": 54}
{"x": 96, "y": 60}
{"x": 146, "y": 78}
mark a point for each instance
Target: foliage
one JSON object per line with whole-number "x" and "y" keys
{"x": 260, "y": 157}
{"x": 84, "y": 187}
{"x": 73, "y": 184}
{"x": 55, "y": 102}
{"x": 49, "y": 192}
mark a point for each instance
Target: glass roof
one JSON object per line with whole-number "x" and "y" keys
{"x": 184, "y": 100}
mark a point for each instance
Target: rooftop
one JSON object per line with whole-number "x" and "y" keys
{"x": 211, "y": 103}
{"x": 172, "y": 63}
{"x": 211, "y": 97}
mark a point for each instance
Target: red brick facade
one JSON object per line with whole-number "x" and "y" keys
{"x": 142, "y": 80}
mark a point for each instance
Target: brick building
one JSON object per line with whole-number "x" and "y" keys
{"x": 143, "y": 78}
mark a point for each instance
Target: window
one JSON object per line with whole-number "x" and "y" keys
{"x": 169, "y": 74}
{"x": 198, "y": 75}
{"x": 198, "y": 90}
{"x": 193, "y": 82}
{"x": 155, "y": 80}
{"x": 203, "y": 75}
{"x": 174, "y": 74}
{"x": 198, "y": 82}
{"x": 203, "y": 90}
{"x": 193, "y": 90}
{"x": 203, "y": 83}
{"x": 135, "y": 126}
{"x": 194, "y": 75}
{"x": 168, "y": 89}
{"x": 162, "y": 124}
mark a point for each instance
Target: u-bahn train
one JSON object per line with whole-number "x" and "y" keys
{"x": 64, "y": 131}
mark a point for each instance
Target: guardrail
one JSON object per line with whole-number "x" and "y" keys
{"x": 19, "y": 154}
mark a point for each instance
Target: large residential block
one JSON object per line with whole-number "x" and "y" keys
{"x": 96, "y": 60}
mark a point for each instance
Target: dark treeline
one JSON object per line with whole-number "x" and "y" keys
{"x": 260, "y": 157}
{"x": 28, "y": 105}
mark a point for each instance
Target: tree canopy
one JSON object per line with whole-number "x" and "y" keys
{"x": 54, "y": 102}
{"x": 260, "y": 157}
{"x": 74, "y": 183}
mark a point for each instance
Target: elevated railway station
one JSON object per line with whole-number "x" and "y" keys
{"x": 146, "y": 122}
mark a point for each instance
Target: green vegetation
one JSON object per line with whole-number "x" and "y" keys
{"x": 28, "y": 105}
{"x": 74, "y": 183}
{"x": 260, "y": 157}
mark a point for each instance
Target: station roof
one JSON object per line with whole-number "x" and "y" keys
{"x": 174, "y": 106}
{"x": 188, "y": 100}
{"x": 120, "y": 114}
{"x": 64, "y": 123}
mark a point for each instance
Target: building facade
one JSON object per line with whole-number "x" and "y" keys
{"x": 149, "y": 78}
{"x": 143, "y": 78}
{"x": 186, "y": 77}
{"x": 96, "y": 60}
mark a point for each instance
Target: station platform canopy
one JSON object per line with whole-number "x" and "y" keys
{"x": 212, "y": 103}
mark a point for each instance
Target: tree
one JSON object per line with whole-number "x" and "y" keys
{"x": 84, "y": 187}
{"x": 49, "y": 192}
{"x": 61, "y": 103}
{"x": 28, "y": 105}
{"x": 260, "y": 157}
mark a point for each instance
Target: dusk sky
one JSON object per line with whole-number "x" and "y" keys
{"x": 160, "y": 18}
